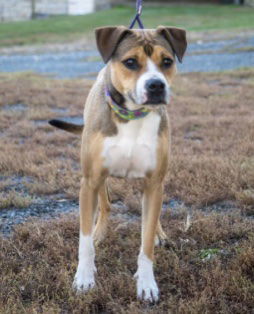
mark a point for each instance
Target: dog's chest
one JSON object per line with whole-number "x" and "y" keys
{"x": 131, "y": 152}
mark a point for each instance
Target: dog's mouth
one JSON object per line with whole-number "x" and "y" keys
{"x": 155, "y": 100}
{"x": 149, "y": 101}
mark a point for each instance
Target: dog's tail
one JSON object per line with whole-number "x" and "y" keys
{"x": 69, "y": 127}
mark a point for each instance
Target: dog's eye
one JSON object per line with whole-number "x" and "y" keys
{"x": 131, "y": 64}
{"x": 167, "y": 62}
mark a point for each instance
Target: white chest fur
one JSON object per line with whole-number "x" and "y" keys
{"x": 132, "y": 151}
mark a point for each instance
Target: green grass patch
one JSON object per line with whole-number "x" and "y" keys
{"x": 63, "y": 28}
{"x": 207, "y": 254}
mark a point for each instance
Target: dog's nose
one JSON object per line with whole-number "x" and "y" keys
{"x": 156, "y": 91}
{"x": 155, "y": 86}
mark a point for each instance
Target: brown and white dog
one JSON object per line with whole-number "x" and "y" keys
{"x": 140, "y": 66}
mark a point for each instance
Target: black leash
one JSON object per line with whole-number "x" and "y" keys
{"x": 137, "y": 16}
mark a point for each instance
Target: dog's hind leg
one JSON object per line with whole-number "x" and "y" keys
{"x": 84, "y": 278}
{"x": 104, "y": 211}
{"x": 161, "y": 237}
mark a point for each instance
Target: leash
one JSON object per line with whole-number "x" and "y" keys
{"x": 137, "y": 16}
{"x": 125, "y": 113}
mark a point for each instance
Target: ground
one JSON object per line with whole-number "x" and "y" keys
{"x": 207, "y": 265}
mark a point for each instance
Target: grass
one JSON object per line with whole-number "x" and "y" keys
{"x": 212, "y": 131}
{"x": 15, "y": 200}
{"x": 64, "y": 28}
{"x": 38, "y": 264}
{"x": 206, "y": 269}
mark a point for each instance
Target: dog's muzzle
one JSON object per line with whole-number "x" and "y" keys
{"x": 156, "y": 91}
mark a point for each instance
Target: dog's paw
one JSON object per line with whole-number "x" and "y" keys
{"x": 147, "y": 289}
{"x": 84, "y": 279}
{"x": 99, "y": 234}
{"x": 161, "y": 242}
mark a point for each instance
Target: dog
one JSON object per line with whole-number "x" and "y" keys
{"x": 127, "y": 135}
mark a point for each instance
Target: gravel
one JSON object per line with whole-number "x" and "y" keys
{"x": 42, "y": 209}
{"x": 201, "y": 57}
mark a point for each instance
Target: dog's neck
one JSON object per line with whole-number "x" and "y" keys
{"x": 120, "y": 99}
{"x": 125, "y": 113}
{"x": 117, "y": 97}
{"x": 124, "y": 108}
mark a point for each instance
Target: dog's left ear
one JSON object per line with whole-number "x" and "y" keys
{"x": 107, "y": 39}
{"x": 176, "y": 38}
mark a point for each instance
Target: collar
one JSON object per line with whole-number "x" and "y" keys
{"x": 125, "y": 113}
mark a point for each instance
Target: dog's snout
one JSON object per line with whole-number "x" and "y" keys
{"x": 155, "y": 86}
{"x": 156, "y": 90}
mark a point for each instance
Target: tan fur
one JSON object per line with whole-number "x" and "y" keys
{"x": 102, "y": 220}
{"x": 152, "y": 199}
{"x": 124, "y": 80}
{"x": 101, "y": 124}
{"x": 91, "y": 181}
{"x": 94, "y": 174}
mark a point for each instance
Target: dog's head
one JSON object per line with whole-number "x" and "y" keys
{"x": 142, "y": 62}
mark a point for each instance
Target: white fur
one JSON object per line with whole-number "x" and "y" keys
{"x": 152, "y": 72}
{"x": 84, "y": 278}
{"x": 132, "y": 151}
{"x": 147, "y": 288}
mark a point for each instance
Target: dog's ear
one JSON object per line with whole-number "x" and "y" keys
{"x": 107, "y": 39}
{"x": 176, "y": 38}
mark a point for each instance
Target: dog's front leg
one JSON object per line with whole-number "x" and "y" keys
{"x": 88, "y": 198}
{"x": 152, "y": 201}
{"x": 102, "y": 221}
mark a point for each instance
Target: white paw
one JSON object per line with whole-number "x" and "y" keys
{"x": 147, "y": 289}
{"x": 84, "y": 279}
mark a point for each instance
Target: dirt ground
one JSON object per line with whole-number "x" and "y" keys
{"x": 206, "y": 269}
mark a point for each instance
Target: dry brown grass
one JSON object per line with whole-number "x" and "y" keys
{"x": 212, "y": 160}
{"x": 38, "y": 267}
{"x": 212, "y": 137}
{"x": 29, "y": 146}
{"x": 14, "y": 199}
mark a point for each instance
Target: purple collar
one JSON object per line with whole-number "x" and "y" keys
{"x": 125, "y": 113}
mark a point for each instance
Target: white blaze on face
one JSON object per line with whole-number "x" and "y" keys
{"x": 152, "y": 72}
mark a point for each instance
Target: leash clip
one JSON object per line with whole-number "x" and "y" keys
{"x": 139, "y": 9}
{"x": 137, "y": 16}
